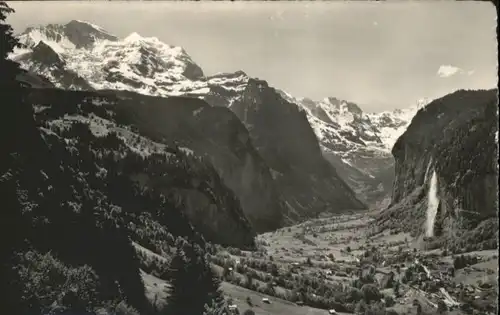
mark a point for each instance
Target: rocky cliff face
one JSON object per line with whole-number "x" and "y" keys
{"x": 455, "y": 137}
{"x": 217, "y": 135}
{"x": 281, "y": 133}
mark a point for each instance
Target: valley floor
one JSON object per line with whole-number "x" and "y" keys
{"x": 329, "y": 253}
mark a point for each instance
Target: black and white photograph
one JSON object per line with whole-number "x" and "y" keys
{"x": 249, "y": 157}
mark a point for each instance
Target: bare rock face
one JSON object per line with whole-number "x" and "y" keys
{"x": 217, "y": 135}
{"x": 455, "y": 137}
{"x": 43, "y": 53}
{"x": 282, "y": 135}
{"x": 84, "y": 35}
{"x": 193, "y": 71}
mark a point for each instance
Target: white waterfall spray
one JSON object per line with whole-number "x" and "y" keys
{"x": 427, "y": 170}
{"x": 432, "y": 204}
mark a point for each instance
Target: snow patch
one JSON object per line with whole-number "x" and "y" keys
{"x": 39, "y": 108}
{"x": 98, "y": 126}
{"x": 155, "y": 288}
{"x": 187, "y": 151}
{"x": 133, "y": 37}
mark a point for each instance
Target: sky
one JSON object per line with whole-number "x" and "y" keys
{"x": 381, "y": 55}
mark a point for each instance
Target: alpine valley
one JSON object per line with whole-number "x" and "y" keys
{"x": 139, "y": 185}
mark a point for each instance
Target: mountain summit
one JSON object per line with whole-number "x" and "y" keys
{"x": 135, "y": 63}
{"x": 76, "y": 34}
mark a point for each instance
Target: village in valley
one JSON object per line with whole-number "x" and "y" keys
{"x": 344, "y": 265}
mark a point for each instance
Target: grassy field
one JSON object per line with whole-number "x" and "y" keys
{"x": 277, "y": 306}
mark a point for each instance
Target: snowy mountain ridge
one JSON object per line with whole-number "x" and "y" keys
{"x": 83, "y": 56}
{"x": 358, "y": 144}
{"x": 344, "y": 119}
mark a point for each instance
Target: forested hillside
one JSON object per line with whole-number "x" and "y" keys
{"x": 75, "y": 200}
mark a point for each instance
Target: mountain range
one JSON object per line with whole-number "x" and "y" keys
{"x": 83, "y": 56}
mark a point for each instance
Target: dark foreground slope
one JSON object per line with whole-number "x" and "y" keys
{"x": 70, "y": 242}
{"x": 455, "y": 136}
{"x": 78, "y": 186}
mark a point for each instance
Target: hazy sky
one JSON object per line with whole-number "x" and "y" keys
{"x": 382, "y": 55}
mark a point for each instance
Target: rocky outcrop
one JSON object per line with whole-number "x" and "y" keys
{"x": 43, "y": 53}
{"x": 45, "y": 61}
{"x": 84, "y": 35}
{"x": 455, "y": 137}
{"x": 192, "y": 71}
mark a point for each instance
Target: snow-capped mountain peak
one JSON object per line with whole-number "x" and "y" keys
{"x": 104, "y": 61}
{"x": 136, "y": 38}
{"x": 73, "y": 35}
{"x": 133, "y": 38}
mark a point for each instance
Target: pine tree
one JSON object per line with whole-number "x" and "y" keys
{"x": 11, "y": 117}
{"x": 209, "y": 283}
{"x": 194, "y": 284}
{"x": 7, "y": 39}
{"x": 179, "y": 294}
{"x": 442, "y": 308}
{"x": 8, "y": 71}
{"x": 16, "y": 121}
{"x": 216, "y": 308}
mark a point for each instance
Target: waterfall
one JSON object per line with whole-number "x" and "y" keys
{"x": 427, "y": 171}
{"x": 432, "y": 204}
